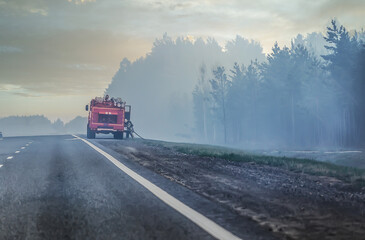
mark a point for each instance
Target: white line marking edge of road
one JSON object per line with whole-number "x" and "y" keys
{"x": 205, "y": 223}
{"x": 1, "y": 165}
{"x": 17, "y": 151}
{"x": 71, "y": 139}
{"x": 10, "y": 157}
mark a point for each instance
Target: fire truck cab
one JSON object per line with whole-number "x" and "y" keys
{"x": 107, "y": 116}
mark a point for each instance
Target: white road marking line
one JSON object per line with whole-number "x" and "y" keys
{"x": 10, "y": 157}
{"x": 205, "y": 223}
{"x": 22, "y": 148}
{"x": 27, "y": 144}
{"x": 1, "y": 165}
{"x": 71, "y": 139}
{"x": 17, "y": 152}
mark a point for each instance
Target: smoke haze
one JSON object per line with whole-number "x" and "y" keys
{"x": 159, "y": 86}
{"x": 196, "y": 90}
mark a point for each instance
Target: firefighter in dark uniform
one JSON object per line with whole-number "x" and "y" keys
{"x": 129, "y": 126}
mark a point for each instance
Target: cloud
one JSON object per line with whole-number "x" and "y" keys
{"x": 64, "y": 62}
{"x": 17, "y": 90}
{"x": 9, "y": 87}
{"x": 23, "y": 94}
{"x": 78, "y": 45}
{"x": 87, "y": 67}
{"x": 9, "y": 49}
{"x": 23, "y": 7}
{"x": 39, "y": 11}
{"x": 80, "y": 1}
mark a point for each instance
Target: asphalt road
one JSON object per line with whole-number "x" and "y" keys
{"x": 58, "y": 187}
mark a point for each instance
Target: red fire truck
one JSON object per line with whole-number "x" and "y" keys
{"x": 108, "y": 116}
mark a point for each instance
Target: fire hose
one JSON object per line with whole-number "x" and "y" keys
{"x": 131, "y": 130}
{"x": 137, "y": 134}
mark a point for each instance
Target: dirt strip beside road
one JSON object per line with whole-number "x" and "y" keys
{"x": 292, "y": 205}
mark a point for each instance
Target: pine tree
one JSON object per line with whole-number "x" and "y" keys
{"x": 220, "y": 86}
{"x": 342, "y": 63}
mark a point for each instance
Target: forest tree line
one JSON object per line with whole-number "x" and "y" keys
{"x": 40, "y": 125}
{"x": 293, "y": 98}
{"x": 159, "y": 84}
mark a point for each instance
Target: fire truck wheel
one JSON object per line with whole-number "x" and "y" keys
{"x": 93, "y": 134}
{"x": 118, "y": 135}
{"x": 90, "y": 133}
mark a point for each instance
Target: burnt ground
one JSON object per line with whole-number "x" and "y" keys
{"x": 292, "y": 205}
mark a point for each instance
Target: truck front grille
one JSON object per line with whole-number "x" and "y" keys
{"x": 105, "y": 118}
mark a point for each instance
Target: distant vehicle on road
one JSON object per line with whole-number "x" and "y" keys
{"x": 108, "y": 116}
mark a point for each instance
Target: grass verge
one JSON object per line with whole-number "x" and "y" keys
{"x": 350, "y": 175}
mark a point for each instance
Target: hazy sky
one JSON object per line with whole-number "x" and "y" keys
{"x": 57, "y": 54}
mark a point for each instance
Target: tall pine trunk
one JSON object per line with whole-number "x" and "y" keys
{"x": 292, "y": 120}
